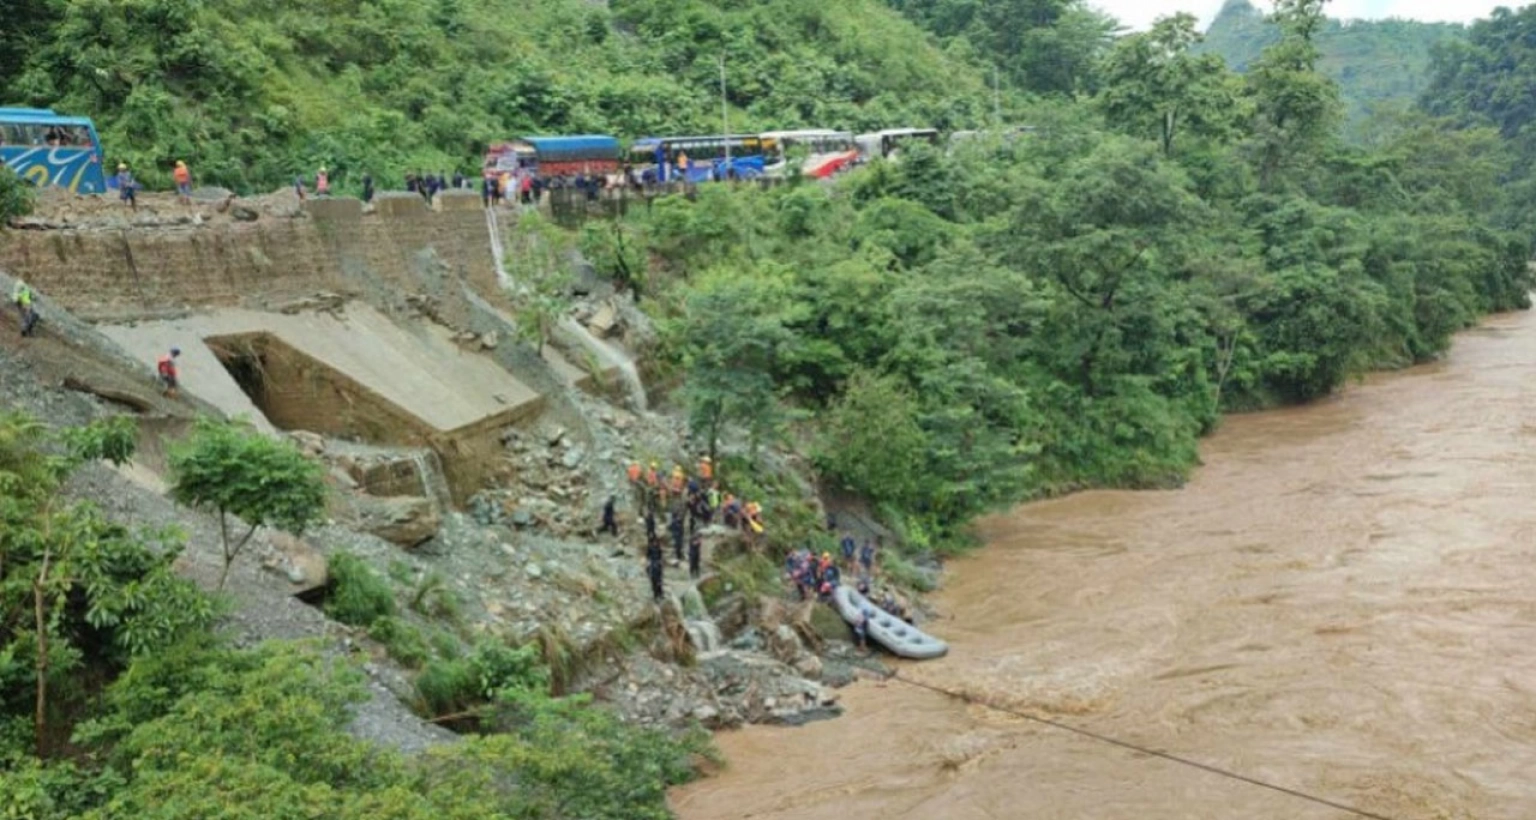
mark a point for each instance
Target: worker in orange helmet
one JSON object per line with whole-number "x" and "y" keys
{"x": 706, "y": 469}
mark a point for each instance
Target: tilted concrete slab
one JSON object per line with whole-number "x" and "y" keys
{"x": 419, "y": 370}
{"x": 201, "y": 372}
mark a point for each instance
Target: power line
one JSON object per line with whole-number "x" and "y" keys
{"x": 1216, "y": 770}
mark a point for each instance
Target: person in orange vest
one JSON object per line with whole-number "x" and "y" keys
{"x": 706, "y": 470}
{"x": 653, "y": 487}
{"x": 183, "y": 178}
{"x": 166, "y": 368}
{"x": 635, "y": 488}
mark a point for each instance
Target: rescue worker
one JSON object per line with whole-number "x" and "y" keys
{"x": 126, "y": 187}
{"x": 650, "y": 524}
{"x": 867, "y": 557}
{"x": 653, "y": 567}
{"x": 714, "y": 499}
{"x": 861, "y": 629}
{"x": 652, "y": 486}
{"x": 166, "y": 368}
{"x": 21, "y": 296}
{"x": 610, "y": 518}
{"x": 183, "y": 177}
{"x": 678, "y": 482}
{"x": 695, "y": 551}
{"x": 848, "y": 545}
{"x": 706, "y": 470}
{"x": 675, "y": 527}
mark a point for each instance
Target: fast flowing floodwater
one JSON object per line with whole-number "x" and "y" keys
{"x": 1342, "y": 601}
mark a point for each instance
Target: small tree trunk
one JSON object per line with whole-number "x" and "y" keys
{"x": 229, "y": 556}
{"x": 40, "y": 610}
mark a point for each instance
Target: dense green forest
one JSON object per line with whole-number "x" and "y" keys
{"x": 1375, "y": 62}
{"x": 944, "y": 334}
{"x": 1488, "y": 81}
{"x": 252, "y": 92}
{"x": 1077, "y": 306}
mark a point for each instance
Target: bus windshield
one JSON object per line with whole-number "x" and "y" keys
{"x": 47, "y": 149}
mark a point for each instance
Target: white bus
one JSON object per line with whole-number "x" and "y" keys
{"x": 827, "y": 151}
{"x": 884, "y": 144}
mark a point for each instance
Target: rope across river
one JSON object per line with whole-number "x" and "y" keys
{"x": 1183, "y": 761}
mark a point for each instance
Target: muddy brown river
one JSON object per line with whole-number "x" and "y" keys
{"x": 1342, "y": 601}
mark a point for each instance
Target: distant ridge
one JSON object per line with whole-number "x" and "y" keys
{"x": 1375, "y": 62}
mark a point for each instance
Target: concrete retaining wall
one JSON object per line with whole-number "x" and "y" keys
{"x": 141, "y": 272}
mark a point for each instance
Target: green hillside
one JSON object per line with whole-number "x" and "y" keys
{"x": 1373, "y": 61}
{"x": 254, "y": 91}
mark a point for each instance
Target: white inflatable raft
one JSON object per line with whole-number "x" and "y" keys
{"x": 891, "y": 632}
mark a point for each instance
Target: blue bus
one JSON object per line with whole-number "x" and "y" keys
{"x": 706, "y": 157}
{"x": 45, "y": 148}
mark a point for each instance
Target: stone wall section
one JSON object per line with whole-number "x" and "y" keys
{"x": 113, "y": 274}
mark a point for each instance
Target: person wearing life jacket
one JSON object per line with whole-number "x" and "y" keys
{"x": 21, "y": 297}
{"x": 166, "y": 369}
{"x": 183, "y": 177}
{"x": 678, "y": 482}
{"x": 706, "y": 470}
{"x": 654, "y": 490}
{"x": 754, "y": 517}
{"x": 634, "y": 472}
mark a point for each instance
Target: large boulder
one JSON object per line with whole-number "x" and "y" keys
{"x": 404, "y": 520}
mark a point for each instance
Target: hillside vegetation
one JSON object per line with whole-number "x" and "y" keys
{"x": 962, "y": 330}
{"x": 252, "y": 92}
{"x": 945, "y": 334}
{"x": 1375, "y": 62}
{"x": 1484, "y": 84}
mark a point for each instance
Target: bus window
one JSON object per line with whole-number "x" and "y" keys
{"x": 48, "y": 149}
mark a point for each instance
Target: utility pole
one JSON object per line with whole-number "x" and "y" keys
{"x": 725, "y": 116}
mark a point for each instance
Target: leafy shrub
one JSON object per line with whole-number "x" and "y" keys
{"x": 491, "y": 672}
{"x": 16, "y": 196}
{"x": 358, "y": 596}
{"x": 402, "y": 639}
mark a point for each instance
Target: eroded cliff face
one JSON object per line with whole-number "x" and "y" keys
{"x": 360, "y": 333}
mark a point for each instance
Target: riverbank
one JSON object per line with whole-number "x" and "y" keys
{"x": 1335, "y": 603}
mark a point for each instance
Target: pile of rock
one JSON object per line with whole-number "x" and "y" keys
{"x": 541, "y": 483}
